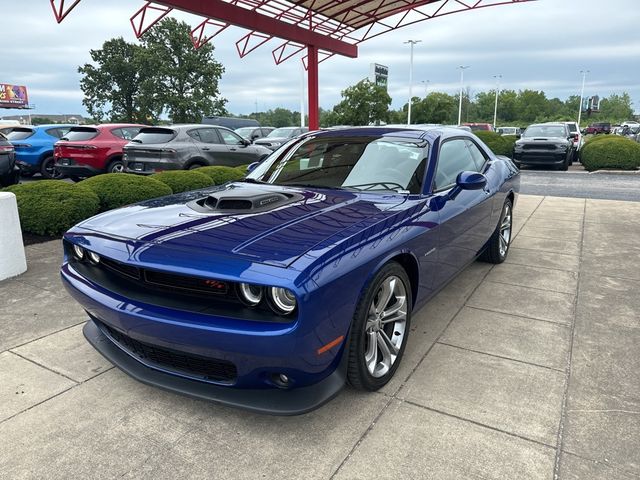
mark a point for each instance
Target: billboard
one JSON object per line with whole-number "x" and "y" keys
{"x": 379, "y": 74}
{"x": 13, "y": 96}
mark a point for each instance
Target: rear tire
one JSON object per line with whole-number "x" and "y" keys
{"x": 194, "y": 166}
{"x": 48, "y": 169}
{"x": 380, "y": 329}
{"x": 498, "y": 245}
{"x": 116, "y": 166}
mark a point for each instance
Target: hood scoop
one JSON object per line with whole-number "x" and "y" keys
{"x": 243, "y": 200}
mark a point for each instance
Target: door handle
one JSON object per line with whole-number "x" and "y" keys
{"x": 206, "y": 148}
{"x": 233, "y": 149}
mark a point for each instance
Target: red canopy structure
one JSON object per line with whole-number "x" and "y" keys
{"x": 323, "y": 27}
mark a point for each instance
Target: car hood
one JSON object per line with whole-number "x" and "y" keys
{"x": 530, "y": 140}
{"x": 274, "y": 233}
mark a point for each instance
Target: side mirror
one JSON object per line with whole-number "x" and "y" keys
{"x": 254, "y": 136}
{"x": 251, "y": 167}
{"x": 471, "y": 181}
{"x": 518, "y": 135}
{"x": 246, "y": 142}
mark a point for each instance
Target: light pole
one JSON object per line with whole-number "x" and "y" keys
{"x": 411, "y": 43}
{"x": 495, "y": 108}
{"x": 462, "y": 68}
{"x": 584, "y": 78}
{"x": 426, "y": 87}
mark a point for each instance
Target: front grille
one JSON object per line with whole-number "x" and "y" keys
{"x": 121, "y": 268}
{"x": 182, "y": 282}
{"x": 539, "y": 146}
{"x": 204, "y": 368}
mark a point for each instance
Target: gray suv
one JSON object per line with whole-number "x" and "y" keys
{"x": 184, "y": 147}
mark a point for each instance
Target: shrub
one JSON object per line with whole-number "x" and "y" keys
{"x": 221, "y": 175}
{"x": 243, "y": 169}
{"x": 496, "y": 142}
{"x": 118, "y": 189}
{"x": 183, "y": 180}
{"x": 51, "y": 207}
{"x": 612, "y": 152}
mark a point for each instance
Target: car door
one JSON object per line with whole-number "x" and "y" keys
{"x": 238, "y": 152}
{"x": 210, "y": 146}
{"x": 465, "y": 215}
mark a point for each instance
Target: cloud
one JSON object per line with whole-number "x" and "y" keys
{"x": 541, "y": 45}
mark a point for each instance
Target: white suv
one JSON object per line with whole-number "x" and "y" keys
{"x": 577, "y": 141}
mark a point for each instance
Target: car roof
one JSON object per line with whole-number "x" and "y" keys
{"x": 400, "y": 131}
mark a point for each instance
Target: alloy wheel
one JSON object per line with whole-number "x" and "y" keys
{"x": 505, "y": 230}
{"x": 117, "y": 168}
{"x": 385, "y": 326}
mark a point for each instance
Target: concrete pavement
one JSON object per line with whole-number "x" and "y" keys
{"x": 526, "y": 370}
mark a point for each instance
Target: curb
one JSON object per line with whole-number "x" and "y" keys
{"x": 615, "y": 172}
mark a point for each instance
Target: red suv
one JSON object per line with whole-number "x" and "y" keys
{"x": 596, "y": 128}
{"x": 476, "y": 127}
{"x": 90, "y": 150}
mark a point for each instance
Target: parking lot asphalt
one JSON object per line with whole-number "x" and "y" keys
{"x": 577, "y": 182}
{"x": 525, "y": 370}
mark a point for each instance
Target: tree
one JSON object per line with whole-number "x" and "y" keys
{"x": 116, "y": 83}
{"x": 436, "y": 107}
{"x": 41, "y": 121}
{"x": 616, "y": 108}
{"x": 362, "y": 104}
{"x": 184, "y": 81}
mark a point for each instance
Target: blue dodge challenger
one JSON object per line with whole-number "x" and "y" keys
{"x": 273, "y": 292}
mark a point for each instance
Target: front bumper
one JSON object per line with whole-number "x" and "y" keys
{"x": 540, "y": 157}
{"x": 27, "y": 168}
{"x": 295, "y": 401}
{"x": 150, "y": 167}
{"x": 256, "y": 351}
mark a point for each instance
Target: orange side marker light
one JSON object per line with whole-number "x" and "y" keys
{"x": 330, "y": 345}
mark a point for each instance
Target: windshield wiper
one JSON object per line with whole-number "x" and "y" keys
{"x": 310, "y": 185}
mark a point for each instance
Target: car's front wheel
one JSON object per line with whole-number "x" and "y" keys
{"x": 380, "y": 329}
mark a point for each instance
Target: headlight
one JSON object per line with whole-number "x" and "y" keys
{"x": 94, "y": 257}
{"x": 78, "y": 251}
{"x": 283, "y": 300}
{"x": 250, "y": 294}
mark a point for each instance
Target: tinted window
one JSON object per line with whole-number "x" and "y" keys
{"x": 477, "y": 155}
{"x": 208, "y": 135}
{"x": 58, "y": 132}
{"x": 126, "y": 133}
{"x": 230, "y": 138}
{"x": 247, "y": 131}
{"x": 20, "y": 133}
{"x": 545, "y": 131}
{"x": 367, "y": 164}
{"x": 454, "y": 158}
{"x": 154, "y": 135}
{"x": 266, "y": 131}
{"x": 572, "y": 127}
{"x": 80, "y": 134}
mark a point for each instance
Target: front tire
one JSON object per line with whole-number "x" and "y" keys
{"x": 497, "y": 248}
{"x": 380, "y": 329}
{"x": 116, "y": 166}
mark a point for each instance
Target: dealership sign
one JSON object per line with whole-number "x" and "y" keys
{"x": 379, "y": 74}
{"x": 13, "y": 96}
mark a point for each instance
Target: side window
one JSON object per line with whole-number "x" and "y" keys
{"x": 118, "y": 132}
{"x": 209, "y": 135}
{"x": 265, "y": 131}
{"x": 194, "y": 134}
{"x": 126, "y": 133}
{"x": 454, "y": 158}
{"x": 57, "y": 132}
{"x": 230, "y": 138}
{"x": 477, "y": 155}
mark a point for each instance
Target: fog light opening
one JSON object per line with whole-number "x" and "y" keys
{"x": 281, "y": 380}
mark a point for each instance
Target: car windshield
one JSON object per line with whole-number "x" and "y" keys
{"x": 545, "y": 131}
{"x": 20, "y": 133}
{"x": 361, "y": 163}
{"x": 245, "y": 131}
{"x": 80, "y": 134}
{"x": 154, "y": 135}
{"x": 282, "y": 132}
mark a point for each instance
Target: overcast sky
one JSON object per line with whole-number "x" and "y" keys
{"x": 538, "y": 45}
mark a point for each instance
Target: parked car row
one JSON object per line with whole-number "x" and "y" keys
{"x": 57, "y": 151}
{"x": 9, "y": 171}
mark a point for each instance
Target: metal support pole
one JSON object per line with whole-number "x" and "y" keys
{"x": 462, "y": 69}
{"x": 312, "y": 83}
{"x": 495, "y": 108}
{"x": 411, "y": 44}
{"x": 584, "y": 78}
{"x": 302, "y": 122}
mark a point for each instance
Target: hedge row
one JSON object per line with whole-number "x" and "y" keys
{"x": 499, "y": 144}
{"x": 610, "y": 152}
{"x": 51, "y": 207}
